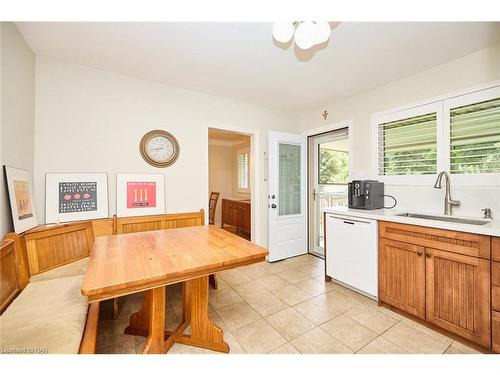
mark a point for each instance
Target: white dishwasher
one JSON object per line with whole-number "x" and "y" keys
{"x": 352, "y": 253}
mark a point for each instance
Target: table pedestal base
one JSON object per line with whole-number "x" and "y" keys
{"x": 149, "y": 321}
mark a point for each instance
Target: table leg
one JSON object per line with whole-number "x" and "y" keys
{"x": 149, "y": 321}
{"x": 204, "y": 333}
{"x": 116, "y": 311}
{"x": 212, "y": 280}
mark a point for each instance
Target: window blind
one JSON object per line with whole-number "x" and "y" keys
{"x": 475, "y": 138}
{"x": 408, "y": 146}
{"x": 243, "y": 170}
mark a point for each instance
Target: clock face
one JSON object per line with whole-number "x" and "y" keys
{"x": 159, "y": 148}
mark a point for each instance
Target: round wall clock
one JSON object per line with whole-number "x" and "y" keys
{"x": 159, "y": 148}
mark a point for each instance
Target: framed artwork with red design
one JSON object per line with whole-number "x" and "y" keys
{"x": 139, "y": 194}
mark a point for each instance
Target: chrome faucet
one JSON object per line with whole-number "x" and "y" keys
{"x": 448, "y": 202}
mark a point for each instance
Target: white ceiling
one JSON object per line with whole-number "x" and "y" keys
{"x": 241, "y": 61}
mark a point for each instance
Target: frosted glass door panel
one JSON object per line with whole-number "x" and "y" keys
{"x": 289, "y": 196}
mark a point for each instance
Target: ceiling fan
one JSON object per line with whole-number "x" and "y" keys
{"x": 305, "y": 33}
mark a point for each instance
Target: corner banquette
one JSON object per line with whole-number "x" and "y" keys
{"x": 41, "y": 305}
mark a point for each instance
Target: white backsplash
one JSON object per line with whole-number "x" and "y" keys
{"x": 428, "y": 199}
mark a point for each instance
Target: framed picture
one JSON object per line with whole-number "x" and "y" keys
{"x": 22, "y": 205}
{"x": 139, "y": 194}
{"x": 75, "y": 196}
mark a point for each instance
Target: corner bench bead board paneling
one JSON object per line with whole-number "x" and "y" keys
{"x": 104, "y": 227}
{"x": 21, "y": 258}
{"x": 133, "y": 224}
{"x": 9, "y": 283}
{"x": 53, "y": 246}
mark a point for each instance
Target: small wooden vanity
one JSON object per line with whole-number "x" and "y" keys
{"x": 237, "y": 214}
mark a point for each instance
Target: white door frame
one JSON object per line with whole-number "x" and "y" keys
{"x": 336, "y": 126}
{"x": 254, "y": 176}
{"x": 317, "y": 131}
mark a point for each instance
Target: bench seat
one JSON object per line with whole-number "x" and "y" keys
{"x": 48, "y": 316}
{"x": 76, "y": 268}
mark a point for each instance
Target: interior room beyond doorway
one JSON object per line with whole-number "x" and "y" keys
{"x": 229, "y": 175}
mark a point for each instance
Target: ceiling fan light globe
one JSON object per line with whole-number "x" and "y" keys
{"x": 322, "y": 32}
{"x": 305, "y": 35}
{"x": 283, "y": 31}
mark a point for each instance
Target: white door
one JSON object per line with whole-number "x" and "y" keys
{"x": 287, "y": 195}
{"x": 330, "y": 173}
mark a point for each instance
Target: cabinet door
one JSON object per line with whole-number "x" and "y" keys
{"x": 495, "y": 331}
{"x": 402, "y": 276}
{"x": 458, "y": 294}
{"x": 244, "y": 218}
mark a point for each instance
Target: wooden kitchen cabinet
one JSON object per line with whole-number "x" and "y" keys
{"x": 457, "y": 295}
{"x": 439, "y": 275}
{"x": 402, "y": 276}
{"x": 495, "y": 331}
{"x": 495, "y": 296}
{"x": 237, "y": 214}
{"x": 495, "y": 248}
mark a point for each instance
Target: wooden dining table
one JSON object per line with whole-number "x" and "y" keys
{"x": 149, "y": 261}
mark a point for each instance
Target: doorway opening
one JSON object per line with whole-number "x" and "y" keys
{"x": 328, "y": 175}
{"x": 229, "y": 174}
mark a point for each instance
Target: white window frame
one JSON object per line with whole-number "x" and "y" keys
{"x": 403, "y": 114}
{"x": 491, "y": 179}
{"x": 240, "y": 189}
{"x": 441, "y": 105}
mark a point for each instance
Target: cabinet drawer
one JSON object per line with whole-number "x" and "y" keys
{"x": 495, "y": 273}
{"x": 495, "y": 248}
{"x": 456, "y": 242}
{"x": 235, "y": 206}
{"x": 495, "y": 331}
{"x": 495, "y": 298}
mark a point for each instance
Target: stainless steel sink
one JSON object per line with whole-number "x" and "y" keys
{"x": 443, "y": 218}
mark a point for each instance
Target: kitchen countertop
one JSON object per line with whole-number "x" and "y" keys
{"x": 490, "y": 229}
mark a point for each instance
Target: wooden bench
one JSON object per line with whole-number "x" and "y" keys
{"x": 50, "y": 258}
{"x": 42, "y": 308}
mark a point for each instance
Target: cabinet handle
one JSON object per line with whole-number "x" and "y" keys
{"x": 419, "y": 253}
{"x": 428, "y": 255}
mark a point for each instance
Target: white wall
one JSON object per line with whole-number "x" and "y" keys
{"x": 89, "y": 120}
{"x": 17, "y": 111}
{"x": 221, "y": 175}
{"x": 474, "y": 69}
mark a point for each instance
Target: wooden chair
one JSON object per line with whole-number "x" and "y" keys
{"x": 212, "y": 205}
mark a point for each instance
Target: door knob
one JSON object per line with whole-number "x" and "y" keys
{"x": 428, "y": 255}
{"x": 273, "y": 206}
{"x": 419, "y": 253}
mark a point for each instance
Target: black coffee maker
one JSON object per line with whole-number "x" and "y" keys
{"x": 366, "y": 194}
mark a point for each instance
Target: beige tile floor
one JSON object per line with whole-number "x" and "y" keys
{"x": 287, "y": 308}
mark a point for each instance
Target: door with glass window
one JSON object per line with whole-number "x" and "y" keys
{"x": 328, "y": 178}
{"x": 287, "y": 195}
